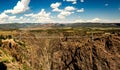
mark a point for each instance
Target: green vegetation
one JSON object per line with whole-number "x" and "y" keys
{"x": 21, "y": 43}
{"x": 25, "y": 67}
{"x": 5, "y": 59}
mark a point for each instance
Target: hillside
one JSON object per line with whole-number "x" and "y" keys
{"x": 60, "y": 50}
{"x": 14, "y": 26}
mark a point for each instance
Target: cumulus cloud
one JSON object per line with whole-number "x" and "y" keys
{"x": 66, "y": 12}
{"x": 73, "y": 1}
{"x": 3, "y": 15}
{"x": 42, "y": 16}
{"x": 4, "y": 18}
{"x": 42, "y": 13}
{"x": 69, "y": 8}
{"x": 81, "y": 10}
{"x": 63, "y": 14}
{"x": 88, "y": 20}
{"x": 20, "y": 7}
{"x": 94, "y": 20}
{"x": 56, "y": 10}
{"x": 55, "y": 6}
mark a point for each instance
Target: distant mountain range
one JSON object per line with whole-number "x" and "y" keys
{"x": 33, "y": 25}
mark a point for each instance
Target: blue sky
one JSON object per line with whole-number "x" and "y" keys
{"x": 59, "y": 11}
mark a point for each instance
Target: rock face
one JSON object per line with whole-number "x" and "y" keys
{"x": 101, "y": 54}
{"x": 67, "y": 53}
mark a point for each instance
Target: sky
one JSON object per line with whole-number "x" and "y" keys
{"x": 59, "y": 11}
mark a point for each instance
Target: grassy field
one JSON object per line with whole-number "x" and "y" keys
{"x": 78, "y": 30}
{"x": 7, "y": 32}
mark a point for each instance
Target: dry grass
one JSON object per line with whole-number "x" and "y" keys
{"x": 7, "y": 32}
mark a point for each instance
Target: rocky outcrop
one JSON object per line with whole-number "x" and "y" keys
{"x": 65, "y": 53}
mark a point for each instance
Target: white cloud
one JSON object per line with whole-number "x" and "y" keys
{"x": 94, "y": 20}
{"x": 60, "y": 16}
{"x": 79, "y": 21}
{"x": 63, "y": 14}
{"x": 97, "y": 20}
{"x": 42, "y": 16}
{"x": 28, "y": 15}
{"x": 81, "y": 0}
{"x": 69, "y": 8}
{"x": 3, "y": 15}
{"x": 55, "y": 6}
{"x": 70, "y": 0}
{"x": 20, "y": 7}
{"x": 88, "y": 20}
{"x": 73, "y": 1}
{"x": 56, "y": 10}
{"x": 12, "y": 17}
{"x": 66, "y": 12}
{"x": 81, "y": 10}
{"x": 4, "y": 18}
{"x": 43, "y": 13}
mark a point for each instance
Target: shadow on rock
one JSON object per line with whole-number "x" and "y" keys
{"x": 3, "y": 66}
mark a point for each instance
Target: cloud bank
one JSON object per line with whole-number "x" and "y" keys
{"x": 20, "y": 7}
